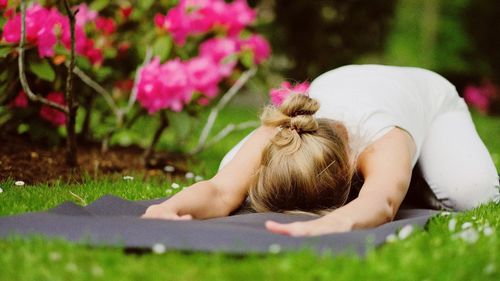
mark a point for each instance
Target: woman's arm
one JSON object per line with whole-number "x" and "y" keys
{"x": 386, "y": 168}
{"x": 223, "y": 193}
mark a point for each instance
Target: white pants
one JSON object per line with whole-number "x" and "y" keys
{"x": 453, "y": 160}
{"x": 456, "y": 164}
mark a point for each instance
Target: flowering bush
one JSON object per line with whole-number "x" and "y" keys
{"x": 215, "y": 60}
{"x": 199, "y": 48}
{"x": 485, "y": 97}
{"x": 45, "y": 27}
{"x": 278, "y": 95}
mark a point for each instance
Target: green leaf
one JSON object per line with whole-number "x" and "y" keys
{"x": 180, "y": 122}
{"x": 247, "y": 59}
{"x": 162, "y": 47}
{"x": 103, "y": 72}
{"x": 4, "y": 51}
{"x": 43, "y": 70}
{"x": 145, "y": 4}
{"x": 99, "y": 5}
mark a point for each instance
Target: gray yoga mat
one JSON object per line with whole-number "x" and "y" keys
{"x": 112, "y": 221}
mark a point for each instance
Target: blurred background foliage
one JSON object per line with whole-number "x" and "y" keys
{"x": 457, "y": 38}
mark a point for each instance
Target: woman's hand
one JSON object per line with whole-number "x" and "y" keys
{"x": 330, "y": 223}
{"x": 160, "y": 212}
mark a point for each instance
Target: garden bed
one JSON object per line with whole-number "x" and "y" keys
{"x": 32, "y": 163}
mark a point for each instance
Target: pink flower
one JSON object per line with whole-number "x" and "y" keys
{"x": 239, "y": 15}
{"x": 159, "y": 20}
{"x": 20, "y": 101}
{"x": 475, "y": 97}
{"x": 220, "y": 50}
{"x": 259, "y": 46}
{"x": 52, "y": 115}
{"x": 191, "y": 17}
{"x": 3, "y": 4}
{"x": 204, "y": 75}
{"x": 84, "y": 14}
{"x": 107, "y": 25}
{"x": 481, "y": 97}
{"x": 184, "y": 19}
{"x": 164, "y": 86}
{"x": 12, "y": 30}
{"x": 126, "y": 11}
{"x": 280, "y": 94}
{"x": 40, "y": 29}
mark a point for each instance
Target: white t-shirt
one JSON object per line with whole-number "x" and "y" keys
{"x": 372, "y": 99}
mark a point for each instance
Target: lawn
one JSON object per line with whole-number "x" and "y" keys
{"x": 436, "y": 253}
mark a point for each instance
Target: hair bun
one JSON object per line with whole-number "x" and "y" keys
{"x": 295, "y": 113}
{"x": 298, "y": 104}
{"x": 303, "y": 123}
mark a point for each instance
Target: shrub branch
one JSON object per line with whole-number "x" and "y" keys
{"x": 22, "y": 72}
{"x": 202, "y": 141}
{"x": 71, "y": 155}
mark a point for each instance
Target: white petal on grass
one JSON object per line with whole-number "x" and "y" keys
{"x": 466, "y": 225}
{"x": 198, "y": 178}
{"x": 405, "y": 231}
{"x": 19, "y": 183}
{"x": 169, "y": 169}
{"x": 470, "y": 235}
{"x": 391, "y": 238}
{"x": 128, "y": 178}
{"x": 452, "y": 224}
{"x": 175, "y": 185}
{"x": 189, "y": 175}
{"x": 1, "y": 190}
{"x": 55, "y": 256}
{"x": 444, "y": 214}
{"x": 490, "y": 268}
{"x": 159, "y": 248}
{"x": 274, "y": 248}
{"x": 488, "y": 231}
{"x": 97, "y": 271}
{"x": 71, "y": 267}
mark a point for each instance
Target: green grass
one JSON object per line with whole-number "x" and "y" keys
{"x": 431, "y": 254}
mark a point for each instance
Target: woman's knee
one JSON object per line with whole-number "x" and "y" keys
{"x": 469, "y": 191}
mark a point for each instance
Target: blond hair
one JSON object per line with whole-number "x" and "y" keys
{"x": 306, "y": 166}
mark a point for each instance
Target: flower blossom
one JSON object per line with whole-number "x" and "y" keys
{"x": 259, "y": 46}
{"x": 480, "y": 96}
{"x": 191, "y": 17}
{"x": 204, "y": 75}
{"x": 220, "y": 51}
{"x": 3, "y": 4}
{"x": 20, "y": 101}
{"x": 107, "y": 25}
{"x": 280, "y": 94}
{"x": 44, "y": 26}
{"x": 84, "y": 15}
{"x": 40, "y": 28}
{"x": 164, "y": 86}
{"x": 53, "y": 115}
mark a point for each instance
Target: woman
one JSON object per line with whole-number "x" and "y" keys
{"x": 375, "y": 121}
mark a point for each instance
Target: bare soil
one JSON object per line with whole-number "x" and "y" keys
{"x": 23, "y": 160}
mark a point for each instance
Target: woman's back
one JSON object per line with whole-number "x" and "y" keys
{"x": 371, "y": 99}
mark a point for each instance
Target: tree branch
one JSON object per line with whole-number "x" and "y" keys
{"x": 71, "y": 155}
{"x": 22, "y": 74}
{"x": 224, "y": 133}
{"x": 133, "y": 94}
{"x": 220, "y": 105}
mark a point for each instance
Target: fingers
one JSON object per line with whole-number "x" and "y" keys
{"x": 154, "y": 212}
{"x": 185, "y": 217}
{"x": 292, "y": 229}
